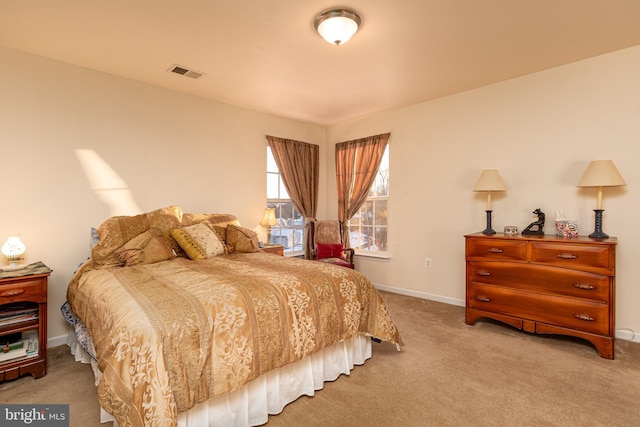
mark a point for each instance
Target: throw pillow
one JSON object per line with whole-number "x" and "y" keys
{"x": 330, "y": 250}
{"x": 240, "y": 239}
{"x": 146, "y": 248}
{"x": 199, "y": 241}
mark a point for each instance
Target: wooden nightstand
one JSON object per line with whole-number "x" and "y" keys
{"x": 23, "y": 318}
{"x": 274, "y": 249}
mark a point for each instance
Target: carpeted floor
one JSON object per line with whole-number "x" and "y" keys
{"x": 447, "y": 374}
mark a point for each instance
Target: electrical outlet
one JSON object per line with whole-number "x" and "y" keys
{"x": 427, "y": 263}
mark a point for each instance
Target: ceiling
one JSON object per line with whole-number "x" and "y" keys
{"x": 264, "y": 55}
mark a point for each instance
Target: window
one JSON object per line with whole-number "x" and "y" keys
{"x": 369, "y": 226}
{"x": 289, "y": 231}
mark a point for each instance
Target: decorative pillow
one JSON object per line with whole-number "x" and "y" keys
{"x": 146, "y": 248}
{"x": 199, "y": 241}
{"x": 240, "y": 239}
{"x": 210, "y": 219}
{"x": 118, "y": 230}
{"x": 330, "y": 250}
{"x": 221, "y": 231}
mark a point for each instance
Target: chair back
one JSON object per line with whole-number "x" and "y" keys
{"x": 326, "y": 231}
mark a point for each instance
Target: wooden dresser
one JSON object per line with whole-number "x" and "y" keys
{"x": 544, "y": 284}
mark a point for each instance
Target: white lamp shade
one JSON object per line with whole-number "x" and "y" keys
{"x": 601, "y": 173}
{"x": 490, "y": 180}
{"x": 13, "y": 249}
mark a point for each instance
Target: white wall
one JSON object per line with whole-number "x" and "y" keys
{"x": 168, "y": 148}
{"x": 540, "y": 131}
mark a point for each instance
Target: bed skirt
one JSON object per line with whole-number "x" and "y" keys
{"x": 267, "y": 395}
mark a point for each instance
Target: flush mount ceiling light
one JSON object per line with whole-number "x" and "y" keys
{"x": 337, "y": 25}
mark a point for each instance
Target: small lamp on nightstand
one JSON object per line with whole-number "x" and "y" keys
{"x": 268, "y": 221}
{"x": 13, "y": 250}
{"x": 601, "y": 173}
{"x": 489, "y": 181}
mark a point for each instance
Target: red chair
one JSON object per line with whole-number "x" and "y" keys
{"x": 327, "y": 245}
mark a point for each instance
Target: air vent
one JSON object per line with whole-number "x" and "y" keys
{"x": 187, "y": 72}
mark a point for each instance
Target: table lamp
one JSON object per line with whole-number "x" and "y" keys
{"x": 268, "y": 221}
{"x": 13, "y": 250}
{"x": 600, "y": 173}
{"x": 489, "y": 181}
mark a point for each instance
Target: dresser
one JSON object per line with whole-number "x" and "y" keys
{"x": 544, "y": 285}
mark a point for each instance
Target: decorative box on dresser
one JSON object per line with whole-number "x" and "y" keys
{"x": 23, "y": 318}
{"x": 544, "y": 284}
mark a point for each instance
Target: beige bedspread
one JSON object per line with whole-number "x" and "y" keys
{"x": 173, "y": 334}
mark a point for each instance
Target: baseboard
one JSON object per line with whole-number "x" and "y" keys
{"x": 622, "y": 334}
{"x": 421, "y": 295}
{"x": 56, "y": 341}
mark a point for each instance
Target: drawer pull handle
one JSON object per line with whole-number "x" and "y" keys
{"x": 566, "y": 255}
{"x": 584, "y": 316}
{"x": 584, "y": 286}
{"x": 495, "y": 250}
{"x": 482, "y": 298}
{"x": 12, "y": 292}
{"x": 483, "y": 273}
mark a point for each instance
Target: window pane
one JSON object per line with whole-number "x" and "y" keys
{"x": 289, "y": 231}
{"x": 272, "y": 185}
{"x": 271, "y": 162}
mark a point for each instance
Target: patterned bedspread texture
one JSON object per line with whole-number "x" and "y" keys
{"x": 176, "y": 333}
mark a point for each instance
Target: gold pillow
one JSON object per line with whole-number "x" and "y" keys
{"x": 199, "y": 241}
{"x": 118, "y": 230}
{"x": 240, "y": 239}
{"x": 146, "y": 248}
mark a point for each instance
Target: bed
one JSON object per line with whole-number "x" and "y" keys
{"x": 188, "y": 322}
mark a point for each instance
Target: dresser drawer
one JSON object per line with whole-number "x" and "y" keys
{"x": 496, "y": 250}
{"x": 542, "y": 279}
{"x": 32, "y": 290}
{"x": 573, "y": 313}
{"x": 580, "y": 257}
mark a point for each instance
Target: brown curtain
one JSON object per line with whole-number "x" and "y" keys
{"x": 357, "y": 164}
{"x": 298, "y": 164}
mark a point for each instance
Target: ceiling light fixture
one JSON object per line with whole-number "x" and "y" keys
{"x": 337, "y": 25}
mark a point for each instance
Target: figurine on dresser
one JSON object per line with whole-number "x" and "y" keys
{"x": 536, "y": 227}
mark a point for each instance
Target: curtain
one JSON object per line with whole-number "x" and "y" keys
{"x": 298, "y": 164}
{"x": 357, "y": 164}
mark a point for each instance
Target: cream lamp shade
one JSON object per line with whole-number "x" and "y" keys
{"x": 13, "y": 250}
{"x": 601, "y": 173}
{"x": 337, "y": 26}
{"x": 269, "y": 217}
{"x": 490, "y": 180}
{"x": 269, "y": 220}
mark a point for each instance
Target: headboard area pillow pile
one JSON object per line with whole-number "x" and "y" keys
{"x": 168, "y": 232}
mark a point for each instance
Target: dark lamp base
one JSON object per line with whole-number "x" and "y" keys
{"x": 489, "y": 230}
{"x": 598, "y": 233}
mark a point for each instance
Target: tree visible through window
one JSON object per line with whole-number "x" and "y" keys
{"x": 369, "y": 226}
{"x": 289, "y": 231}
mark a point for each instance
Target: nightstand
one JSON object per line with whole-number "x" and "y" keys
{"x": 274, "y": 249}
{"x": 23, "y": 321}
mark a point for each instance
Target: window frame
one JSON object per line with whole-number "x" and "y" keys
{"x": 373, "y": 199}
